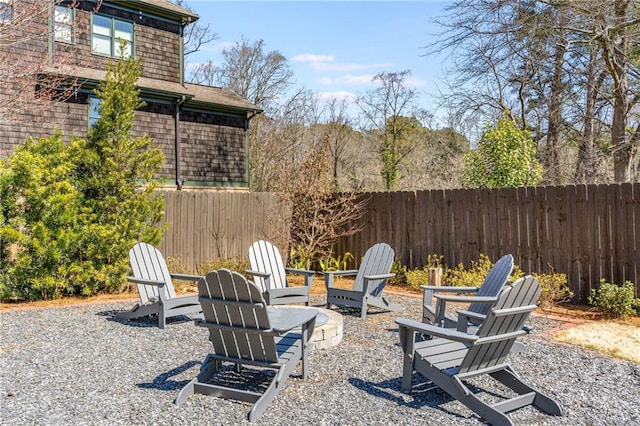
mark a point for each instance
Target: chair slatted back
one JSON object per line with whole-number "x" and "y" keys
{"x": 148, "y": 263}
{"x": 503, "y": 325}
{"x": 377, "y": 260}
{"x": 236, "y": 315}
{"x": 493, "y": 283}
{"x": 265, "y": 257}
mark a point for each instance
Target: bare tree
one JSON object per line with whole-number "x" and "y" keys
{"x": 319, "y": 215}
{"x": 542, "y": 60}
{"x": 337, "y": 132}
{"x": 258, "y": 76}
{"x": 195, "y": 34}
{"x": 390, "y": 112}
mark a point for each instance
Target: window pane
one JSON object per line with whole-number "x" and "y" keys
{"x": 63, "y": 23}
{"x": 63, "y": 33}
{"x": 5, "y": 10}
{"x": 101, "y": 25}
{"x": 101, "y": 45}
{"x": 63, "y": 15}
{"x": 95, "y": 106}
{"x": 123, "y": 29}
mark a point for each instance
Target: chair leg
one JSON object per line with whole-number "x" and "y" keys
{"x": 541, "y": 401}
{"x": 263, "y": 402}
{"x": 161, "y": 318}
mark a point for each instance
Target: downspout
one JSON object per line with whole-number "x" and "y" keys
{"x": 247, "y": 147}
{"x": 179, "y": 103}
{"x": 176, "y": 145}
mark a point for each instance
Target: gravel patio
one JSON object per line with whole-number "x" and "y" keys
{"x": 76, "y": 365}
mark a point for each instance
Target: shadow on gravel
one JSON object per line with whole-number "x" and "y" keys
{"x": 165, "y": 381}
{"x": 424, "y": 394}
{"x": 144, "y": 322}
{"x": 355, "y": 312}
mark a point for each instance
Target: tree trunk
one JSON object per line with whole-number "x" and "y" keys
{"x": 586, "y": 164}
{"x": 551, "y": 162}
{"x": 616, "y": 51}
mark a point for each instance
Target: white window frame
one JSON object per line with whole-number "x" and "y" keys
{"x": 63, "y": 23}
{"x": 109, "y": 36}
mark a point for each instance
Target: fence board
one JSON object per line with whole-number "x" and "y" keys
{"x": 588, "y": 232}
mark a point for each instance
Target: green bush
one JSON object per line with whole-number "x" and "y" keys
{"x": 238, "y": 264}
{"x": 401, "y": 274}
{"x": 554, "y": 289}
{"x": 504, "y": 158}
{"x": 615, "y": 301}
{"x": 71, "y": 211}
{"x": 417, "y": 277}
{"x": 338, "y": 263}
{"x": 468, "y": 277}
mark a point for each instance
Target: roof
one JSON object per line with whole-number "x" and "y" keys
{"x": 162, "y": 8}
{"x": 206, "y": 97}
{"x": 219, "y": 97}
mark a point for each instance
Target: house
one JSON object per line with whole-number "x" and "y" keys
{"x": 202, "y": 130}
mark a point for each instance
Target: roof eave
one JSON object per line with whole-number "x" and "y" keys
{"x": 210, "y": 106}
{"x": 185, "y": 17}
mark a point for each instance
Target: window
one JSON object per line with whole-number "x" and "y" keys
{"x": 107, "y": 33}
{"x": 6, "y": 11}
{"x": 63, "y": 24}
{"x": 95, "y": 106}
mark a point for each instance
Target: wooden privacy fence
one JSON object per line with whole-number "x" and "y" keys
{"x": 204, "y": 226}
{"x": 588, "y": 232}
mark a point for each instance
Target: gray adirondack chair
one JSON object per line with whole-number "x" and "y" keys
{"x": 370, "y": 280}
{"x": 155, "y": 287}
{"x": 480, "y": 298}
{"x": 244, "y": 330}
{"x": 451, "y": 357}
{"x": 271, "y": 276}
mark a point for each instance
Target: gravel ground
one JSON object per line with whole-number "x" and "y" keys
{"x": 77, "y": 365}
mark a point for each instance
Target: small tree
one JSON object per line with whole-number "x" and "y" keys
{"x": 110, "y": 167}
{"x": 505, "y": 158}
{"x": 319, "y": 216}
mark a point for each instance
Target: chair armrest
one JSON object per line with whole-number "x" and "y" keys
{"x": 308, "y": 275}
{"x": 466, "y": 299}
{"x": 283, "y": 319}
{"x": 160, "y": 284}
{"x": 470, "y": 316}
{"x": 428, "y": 290}
{"x": 341, "y": 273}
{"x": 467, "y": 317}
{"x": 431, "y": 330}
{"x": 258, "y": 273}
{"x": 379, "y": 277}
{"x": 300, "y": 271}
{"x": 449, "y": 289}
{"x": 145, "y": 281}
{"x": 328, "y": 275}
{"x": 186, "y": 277}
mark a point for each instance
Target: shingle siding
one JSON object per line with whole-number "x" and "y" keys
{"x": 158, "y": 49}
{"x": 160, "y": 53}
{"x": 212, "y": 152}
{"x": 213, "y": 124}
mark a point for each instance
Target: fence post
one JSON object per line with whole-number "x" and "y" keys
{"x": 434, "y": 276}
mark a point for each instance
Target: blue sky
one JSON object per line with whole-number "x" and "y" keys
{"x": 334, "y": 47}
